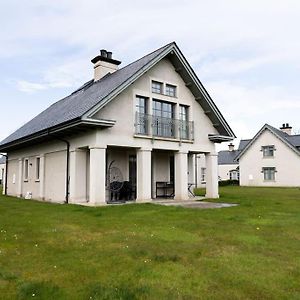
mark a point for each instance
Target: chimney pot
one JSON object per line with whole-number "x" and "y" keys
{"x": 103, "y": 53}
{"x": 109, "y": 54}
{"x": 231, "y": 147}
{"x": 286, "y": 128}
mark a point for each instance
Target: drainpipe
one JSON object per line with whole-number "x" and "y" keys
{"x": 67, "y": 167}
{"x": 6, "y": 168}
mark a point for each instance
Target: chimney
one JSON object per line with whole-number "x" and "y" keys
{"x": 231, "y": 147}
{"x": 286, "y": 128}
{"x": 104, "y": 64}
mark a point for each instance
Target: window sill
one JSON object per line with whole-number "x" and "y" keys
{"x": 159, "y": 138}
{"x": 268, "y": 157}
{"x": 25, "y": 180}
{"x": 37, "y": 180}
{"x": 269, "y": 180}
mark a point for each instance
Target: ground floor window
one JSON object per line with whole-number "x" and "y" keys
{"x": 203, "y": 172}
{"x": 234, "y": 175}
{"x": 269, "y": 173}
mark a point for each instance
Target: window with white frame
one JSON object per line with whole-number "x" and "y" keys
{"x": 203, "y": 173}
{"x": 26, "y": 169}
{"x": 234, "y": 175}
{"x": 37, "y": 168}
{"x": 269, "y": 173}
{"x": 170, "y": 90}
{"x": 157, "y": 87}
{"x": 268, "y": 151}
{"x": 184, "y": 125}
{"x": 141, "y": 117}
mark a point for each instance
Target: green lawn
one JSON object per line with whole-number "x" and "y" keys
{"x": 147, "y": 251}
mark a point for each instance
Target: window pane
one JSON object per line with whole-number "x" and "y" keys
{"x": 170, "y": 90}
{"x": 156, "y": 87}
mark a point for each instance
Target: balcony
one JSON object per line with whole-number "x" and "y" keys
{"x": 154, "y": 126}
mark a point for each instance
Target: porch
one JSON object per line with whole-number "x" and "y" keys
{"x": 118, "y": 174}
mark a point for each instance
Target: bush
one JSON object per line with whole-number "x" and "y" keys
{"x": 228, "y": 182}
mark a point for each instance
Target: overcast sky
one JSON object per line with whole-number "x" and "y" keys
{"x": 246, "y": 53}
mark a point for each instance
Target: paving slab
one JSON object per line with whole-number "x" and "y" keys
{"x": 193, "y": 204}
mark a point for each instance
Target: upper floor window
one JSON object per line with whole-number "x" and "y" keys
{"x": 26, "y": 169}
{"x": 170, "y": 90}
{"x": 269, "y": 173}
{"x": 157, "y": 87}
{"x": 268, "y": 151}
{"x": 141, "y": 117}
{"x": 184, "y": 125}
{"x": 141, "y": 105}
{"x": 163, "y": 115}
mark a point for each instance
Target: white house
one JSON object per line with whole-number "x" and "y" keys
{"x": 227, "y": 165}
{"x": 129, "y": 133}
{"x": 271, "y": 158}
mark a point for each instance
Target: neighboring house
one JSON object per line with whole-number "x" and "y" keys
{"x": 271, "y": 158}
{"x": 228, "y": 166}
{"x": 128, "y": 133}
{"x": 2, "y": 169}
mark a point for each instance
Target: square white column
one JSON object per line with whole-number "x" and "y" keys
{"x": 97, "y": 175}
{"x": 212, "y": 185}
{"x": 191, "y": 168}
{"x": 181, "y": 176}
{"x": 143, "y": 175}
{"x": 78, "y": 176}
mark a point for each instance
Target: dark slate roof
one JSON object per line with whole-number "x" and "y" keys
{"x": 293, "y": 140}
{"x": 82, "y": 100}
{"x": 227, "y": 157}
{"x": 2, "y": 160}
{"x": 243, "y": 144}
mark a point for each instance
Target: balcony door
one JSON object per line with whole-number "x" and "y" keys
{"x": 163, "y": 119}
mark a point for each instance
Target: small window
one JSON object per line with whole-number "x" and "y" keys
{"x": 184, "y": 124}
{"x": 157, "y": 87}
{"x": 26, "y": 169}
{"x": 171, "y": 90}
{"x": 268, "y": 151}
{"x": 37, "y": 168}
{"x": 203, "y": 172}
{"x": 269, "y": 173}
{"x": 142, "y": 120}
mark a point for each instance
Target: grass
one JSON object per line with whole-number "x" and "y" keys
{"x": 146, "y": 251}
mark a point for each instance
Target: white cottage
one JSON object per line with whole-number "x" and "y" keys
{"x": 129, "y": 133}
{"x": 271, "y": 158}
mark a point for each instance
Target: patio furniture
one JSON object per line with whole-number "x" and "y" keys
{"x": 164, "y": 189}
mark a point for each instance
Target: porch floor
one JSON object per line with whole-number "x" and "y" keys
{"x": 192, "y": 203}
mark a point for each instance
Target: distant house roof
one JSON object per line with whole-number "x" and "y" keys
{"x": 227, "y": 157}
{"x": 2, "y": 160}
{"x": 93, "y": 95}
{"x": 292, "y": 141}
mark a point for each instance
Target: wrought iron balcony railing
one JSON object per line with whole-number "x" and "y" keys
{"x": 163, "y": 127}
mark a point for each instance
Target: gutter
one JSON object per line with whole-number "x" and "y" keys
{"x": 67, "y": 166}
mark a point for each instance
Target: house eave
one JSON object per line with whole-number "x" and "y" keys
{"x": 216, "y": 138}
{"x": 61, "y": 130}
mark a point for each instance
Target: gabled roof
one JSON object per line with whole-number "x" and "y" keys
{"x": 93, "y": 95}
{"x": 226, "y": 157}
{"x": 292, "y": 141}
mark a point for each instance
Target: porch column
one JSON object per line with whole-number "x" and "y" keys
{"x": 143, "y": 175}
{"x": 78, "y": 176}
{"x": 181, "y": 175}
{"x": 42, "y": 177}
{"x": 212, "y": 187}
{"x": 19, "y": 190}
{"x": 97, "y": 175}
{"x": 191, "y": 169}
